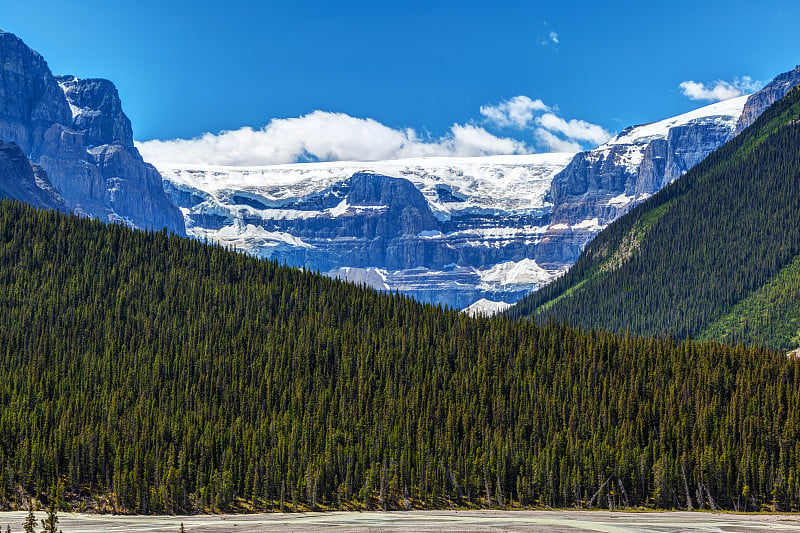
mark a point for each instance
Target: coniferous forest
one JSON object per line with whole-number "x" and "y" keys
{"x": 715, "y": 255}
{"x": 141, "y": 372}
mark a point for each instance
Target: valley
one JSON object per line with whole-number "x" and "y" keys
{"x": 201, "y": 342}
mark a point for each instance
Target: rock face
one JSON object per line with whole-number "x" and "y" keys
{"x": 76, "y": 132}
{"x": 601, "y": 185}
{"x": 97, "y": 111}
{"x": 21, "y": 180}
{"x": 445, "y": 230}
{"x": 774, "y": 91}
{"x": 31, "y": 101}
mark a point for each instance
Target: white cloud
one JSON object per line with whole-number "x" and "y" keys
{"x": 517, "y": 112}
{"x": 719, "y": 90}
{"x": 472, "y": 140}
{"x": 552, "y": 38}
{"x": 722, "y": 90}
{"x": 551, "y": 130}
{"x": 556, "y": 143}
{"x": 327, "y": 137}
{"x": 576, "y": 130}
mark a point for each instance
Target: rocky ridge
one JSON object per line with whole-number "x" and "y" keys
{"x": 445, "y": 230}
{"x": 758, "y": 102}
{"x": 606, "y": 182}
{"x": 76, "y": 133}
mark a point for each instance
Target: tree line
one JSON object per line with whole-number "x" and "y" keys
{"x": 141, "y": 372}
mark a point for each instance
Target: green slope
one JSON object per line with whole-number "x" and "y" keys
{"x": 769, "y": 316}
{"x": 703, "y": 257}
{"x": 143, "y": 372}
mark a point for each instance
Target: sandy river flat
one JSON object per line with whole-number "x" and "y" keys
{"x": 425, "y": 521}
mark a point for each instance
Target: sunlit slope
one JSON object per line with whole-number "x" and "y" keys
{"x": 686, "y": 262}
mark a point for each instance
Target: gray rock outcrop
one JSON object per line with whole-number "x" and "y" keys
{"x": 97, "y": 111}
{"x": 771, "y": 93}
{"x": 31, "y": 101}
{"x": 26, "y": 182}
{"x": 76, "y": 132}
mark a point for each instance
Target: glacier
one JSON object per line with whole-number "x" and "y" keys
{"x": 435, "y": 237}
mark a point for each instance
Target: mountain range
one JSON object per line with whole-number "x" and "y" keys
{"x": 715, "y": 255}
{"x": 477, "y": 233}
{"x": 444, "y": 230}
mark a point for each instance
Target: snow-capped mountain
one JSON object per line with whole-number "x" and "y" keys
{"x": 454, "y": 231}
{"x": 445, "y": 230}
{"x": 436, "y": 228}
{"x": 600, "y": 185}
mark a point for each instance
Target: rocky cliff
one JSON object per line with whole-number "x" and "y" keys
{"x": 76, "y": 132}
{"x": 602, "y": 184}
{"x": 445, "y": 230}
{"x": 26, "y": 182}
{"x": 758, "y": 102}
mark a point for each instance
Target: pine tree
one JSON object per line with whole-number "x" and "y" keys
{"x": 50, "y": 524}
{"x": 30, "y": 521}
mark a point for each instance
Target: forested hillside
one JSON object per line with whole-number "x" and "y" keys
{"x": 713, "y": 256}
{"x": 141, "y": 372}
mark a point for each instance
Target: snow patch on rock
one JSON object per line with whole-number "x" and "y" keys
{"x": 484, "y": 307}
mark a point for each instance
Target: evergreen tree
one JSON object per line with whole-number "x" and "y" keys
{"x": 50, "y": 524}
{"x": 29, "y": 525}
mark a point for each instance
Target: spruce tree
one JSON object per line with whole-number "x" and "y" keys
{"x": 50, "y": 524}
{"x": 30, "y": 521}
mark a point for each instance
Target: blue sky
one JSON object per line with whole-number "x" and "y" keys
{"x": 419, "y": 69}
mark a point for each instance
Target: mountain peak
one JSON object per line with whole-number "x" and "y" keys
{"x": 712, "y": 256}
{"x": 97, "y": 111}
{"x": 76, "y": 132}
